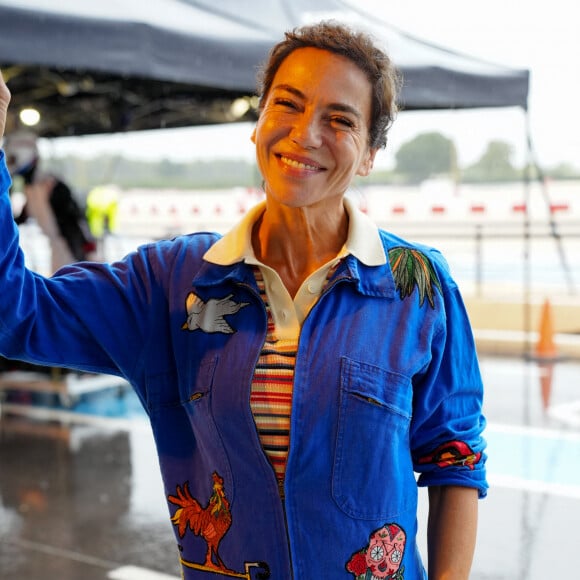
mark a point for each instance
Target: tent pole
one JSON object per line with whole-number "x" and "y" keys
{"x": 527, "y": 239}
{"x": 554, "y": 232}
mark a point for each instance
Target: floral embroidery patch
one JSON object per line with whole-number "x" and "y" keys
{"x": 412, "y": 268}
{"x": 382, "y": 558}
{"x": 452, "y": 453}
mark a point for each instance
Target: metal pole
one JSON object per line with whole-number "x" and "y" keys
{"x": 478, "y": 260}
{"x": 527, "y": 281}
{"x": 555, "y": 233}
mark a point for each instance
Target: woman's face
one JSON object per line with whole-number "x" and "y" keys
{"x": 313, "y": 132}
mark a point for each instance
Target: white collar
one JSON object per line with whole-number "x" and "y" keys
{"x": 363, "y": 240}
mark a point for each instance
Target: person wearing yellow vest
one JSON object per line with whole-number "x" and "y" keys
{"x": 102, "y": 209}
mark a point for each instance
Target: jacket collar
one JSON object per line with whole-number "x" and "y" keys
{"x": 363, "y": 241}
{"x": 370, "y": 280}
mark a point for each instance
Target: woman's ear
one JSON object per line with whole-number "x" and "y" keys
{"x": 367, "y": 163}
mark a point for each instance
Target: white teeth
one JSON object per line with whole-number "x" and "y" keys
{"x": 297, "y": 164}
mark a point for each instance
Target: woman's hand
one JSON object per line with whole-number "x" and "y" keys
{"x": 4, "y": 100}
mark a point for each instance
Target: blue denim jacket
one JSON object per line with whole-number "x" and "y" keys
{"x": 386, "y": 386}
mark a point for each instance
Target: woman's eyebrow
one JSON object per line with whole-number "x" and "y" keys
{"x": 345, "y": 109}
{"x": 334, "y": 106}
{"x": 290, "y": 89}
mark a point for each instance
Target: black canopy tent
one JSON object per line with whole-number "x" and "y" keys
{"x": 121, "y": 65}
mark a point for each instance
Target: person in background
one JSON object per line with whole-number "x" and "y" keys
{"x": 102, "y": 213}
{"x": 102, "y": 210}
{"x": 49, "y": 201}
{"x": 299, "y": 370}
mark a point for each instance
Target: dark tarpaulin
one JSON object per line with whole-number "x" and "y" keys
{"x": 117, "y": 65}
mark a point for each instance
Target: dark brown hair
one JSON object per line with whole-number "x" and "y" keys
{"x": 358, "y": 47}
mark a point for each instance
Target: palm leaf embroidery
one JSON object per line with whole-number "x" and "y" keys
{"x": 412, "y": 268}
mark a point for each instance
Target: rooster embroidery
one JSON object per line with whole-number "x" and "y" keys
{"x": 211, "y": 522}
{"x": 209, "y": 316}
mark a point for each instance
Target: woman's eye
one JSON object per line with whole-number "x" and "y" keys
{"x": 344, "y": 121}
{"x": 285, "y": 103}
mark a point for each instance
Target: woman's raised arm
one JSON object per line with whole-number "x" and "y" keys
{"x": 4, "y": 101}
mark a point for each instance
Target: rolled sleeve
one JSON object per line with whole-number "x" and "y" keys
{"x": 446, "y": 432}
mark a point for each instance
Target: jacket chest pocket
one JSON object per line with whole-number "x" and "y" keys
{"x": 373, "y": 471}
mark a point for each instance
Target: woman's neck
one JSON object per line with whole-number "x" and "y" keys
{"x": 297, "y": 241}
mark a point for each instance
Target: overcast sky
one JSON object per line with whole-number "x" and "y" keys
{"x": 538, "y": 35}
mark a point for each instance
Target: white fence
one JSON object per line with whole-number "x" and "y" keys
{"x": 480, "y": 229}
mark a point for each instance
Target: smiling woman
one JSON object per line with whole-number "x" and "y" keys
{"x": 300, "y": 369}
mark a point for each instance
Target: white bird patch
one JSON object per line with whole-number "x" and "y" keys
{"x": 209, "y": 316}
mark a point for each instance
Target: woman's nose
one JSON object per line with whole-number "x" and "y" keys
{"x": 307, "y": 132}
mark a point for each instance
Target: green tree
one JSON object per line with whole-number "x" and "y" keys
{"x": 426, "y": 155}
{"x": 170, "y": 169}
{"x": 494, "y": 165}
{"x": 84, "y": 174}
{"x": 563, "y": 171}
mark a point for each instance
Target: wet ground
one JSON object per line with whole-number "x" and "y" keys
{"x": 81, "y": 497}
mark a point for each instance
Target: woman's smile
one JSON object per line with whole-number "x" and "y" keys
{"x": 300, "y": 164}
